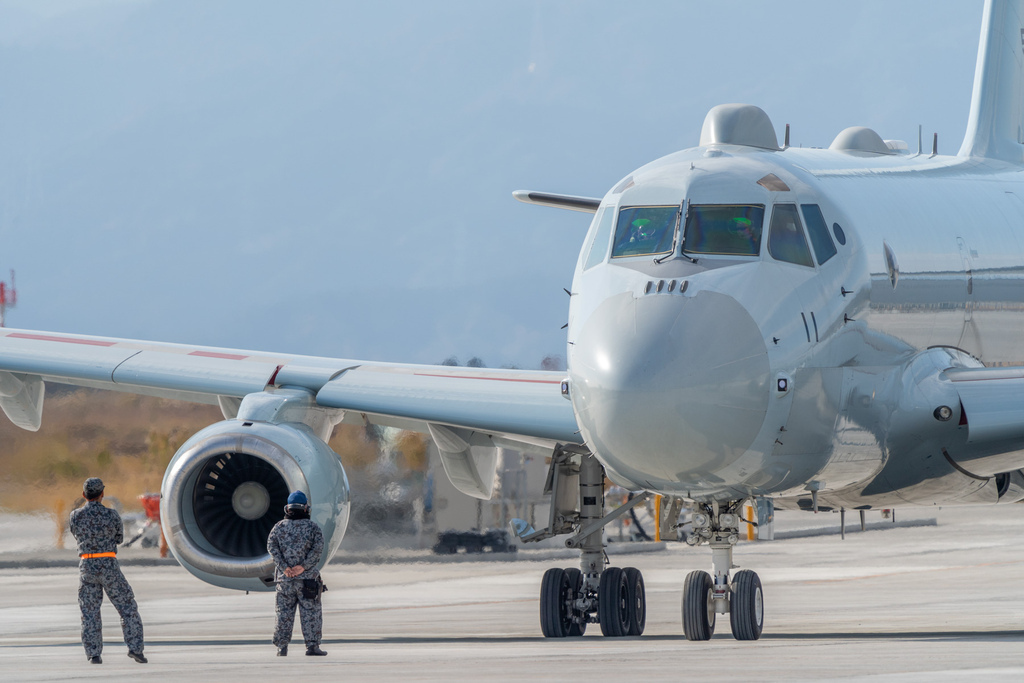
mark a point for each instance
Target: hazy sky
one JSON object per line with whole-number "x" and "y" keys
{"x": 335, "y": 178}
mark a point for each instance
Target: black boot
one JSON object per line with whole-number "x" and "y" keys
{"x": 138, "y": 657}
{"x": 315, "y": 651}
{"x": 282, "y": 651}
{"x": 95, "y": 659}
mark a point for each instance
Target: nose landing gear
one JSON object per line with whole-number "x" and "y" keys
{"x": 704, "y": 597}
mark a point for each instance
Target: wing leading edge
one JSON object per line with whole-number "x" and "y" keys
{"x": 504, "y": 406}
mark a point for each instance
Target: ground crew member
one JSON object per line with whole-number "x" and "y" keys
{"x": 99, "y": 531}
{"x": 296, "y": 544}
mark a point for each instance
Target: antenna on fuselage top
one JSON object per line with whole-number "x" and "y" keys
{"x": 935, "y": 144}
{"x": 785, "y": 143}
{"x": 919, "y": 148}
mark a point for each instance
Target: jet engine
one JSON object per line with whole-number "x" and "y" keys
{"x": 227, "y": 486}
{"x": 1010, "y": 486}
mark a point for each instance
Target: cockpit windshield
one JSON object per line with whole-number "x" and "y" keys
{"x": 643, "y": 230}
{"x": 732, "y": 229}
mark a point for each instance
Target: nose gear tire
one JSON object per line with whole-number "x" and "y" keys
{"x": 698, "y": 606}
{"x": 746, "y": 613}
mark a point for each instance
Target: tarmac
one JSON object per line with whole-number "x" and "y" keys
{"x": 937, "y": 597}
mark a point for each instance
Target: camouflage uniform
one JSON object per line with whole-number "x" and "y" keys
{"x": 294, "y": 542}
{"x": 98, "y": 529}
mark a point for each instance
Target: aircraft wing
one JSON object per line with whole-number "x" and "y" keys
{"x": 476, "y": 406}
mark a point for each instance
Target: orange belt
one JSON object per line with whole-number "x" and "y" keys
{"x": 89, "y": 556}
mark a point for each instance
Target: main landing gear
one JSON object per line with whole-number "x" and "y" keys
{"x": 571, "y": 598}
{"x": 705, "y": 596}
{"x": 567, "y": 604}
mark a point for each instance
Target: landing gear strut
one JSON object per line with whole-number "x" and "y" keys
{"x": 705, "y": 596}
{"x": 613, "y": 597}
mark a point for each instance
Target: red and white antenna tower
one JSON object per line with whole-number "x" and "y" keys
{"x": 8, "y": 297}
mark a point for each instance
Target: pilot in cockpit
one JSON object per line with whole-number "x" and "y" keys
{"x": 639, "y": 232}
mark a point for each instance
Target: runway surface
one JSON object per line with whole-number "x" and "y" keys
{"x": 928, "y": 603}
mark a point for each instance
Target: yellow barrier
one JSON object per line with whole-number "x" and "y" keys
{"x": 749, "y": 515}
{"x": 60, "y": 516}
{"x": 657, "y": 518}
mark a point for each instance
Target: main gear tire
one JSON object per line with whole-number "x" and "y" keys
{"x": 613, "y": 603}
{"x": 557, "y": 593}
{"x": 637, "y": 596}
{"x": 578, "y": 625}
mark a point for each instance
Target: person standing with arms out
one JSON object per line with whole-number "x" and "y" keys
{"x": 99, "y": 531}
{"x": 296, "y": 544}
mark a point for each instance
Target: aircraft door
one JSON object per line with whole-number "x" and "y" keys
{"x": 828, "y": 298}
{"x": 789, "y": 254}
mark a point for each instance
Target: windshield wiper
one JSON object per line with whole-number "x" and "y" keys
{"x": 679, "y": 236}
{"x": 675, "y": 234}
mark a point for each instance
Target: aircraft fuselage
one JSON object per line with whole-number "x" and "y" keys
{"x": 723, "y": 375}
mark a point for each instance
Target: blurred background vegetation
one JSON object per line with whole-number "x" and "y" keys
{"x": 128, "y": 440}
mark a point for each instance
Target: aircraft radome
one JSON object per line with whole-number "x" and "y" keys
{"x": 798, "y": 328}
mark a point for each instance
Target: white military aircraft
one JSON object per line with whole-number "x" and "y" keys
{"x": 804, "y": 328}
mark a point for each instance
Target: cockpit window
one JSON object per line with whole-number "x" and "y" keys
{"x": 733, "y": 229}
{"x": 786, "y": 238}
{"x": 602, "y": 233}
{"x": 643, "y": 230}
{"x": 824, "y": 247}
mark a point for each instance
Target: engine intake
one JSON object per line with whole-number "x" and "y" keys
{"x": 227, "y": 486}
{"x": 237, "y": 500}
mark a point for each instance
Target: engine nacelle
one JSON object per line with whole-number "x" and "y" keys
{"x": 227, "y": 486}
{"x": 1010, "y": 486}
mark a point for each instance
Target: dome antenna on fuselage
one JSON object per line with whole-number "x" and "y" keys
{"x": 738, "y": 124}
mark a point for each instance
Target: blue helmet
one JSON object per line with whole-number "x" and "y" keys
{"x": 297, "y": 504}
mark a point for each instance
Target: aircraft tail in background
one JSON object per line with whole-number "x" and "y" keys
{"x": 995, "y": 129}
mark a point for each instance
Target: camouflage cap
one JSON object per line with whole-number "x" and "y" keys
{"x": 93, "y": 487}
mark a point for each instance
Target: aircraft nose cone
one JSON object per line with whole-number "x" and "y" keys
{"x": 670, "y": 387}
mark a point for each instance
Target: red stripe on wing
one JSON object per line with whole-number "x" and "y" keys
{"x": 211, "y": 354}
{"x": 66, "y": 340}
